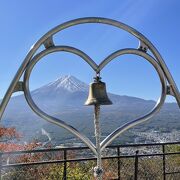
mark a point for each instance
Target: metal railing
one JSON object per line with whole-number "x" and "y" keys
{"x": 134, "y": 161}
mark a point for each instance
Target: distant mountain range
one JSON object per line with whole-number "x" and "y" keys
{"x": 64, "y": 98}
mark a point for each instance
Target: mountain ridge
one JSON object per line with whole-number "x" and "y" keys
{"x": 64, "y": 98}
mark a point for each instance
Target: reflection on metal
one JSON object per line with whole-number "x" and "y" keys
{"x": 167, "y": 83}
{"x": 98, "y": 94}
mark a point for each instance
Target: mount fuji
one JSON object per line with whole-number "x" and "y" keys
{"x": 66, "y": 83}
{"x": 64, "y": 98}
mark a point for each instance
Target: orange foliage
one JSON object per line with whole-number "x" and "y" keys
{"x": 8, "y": 134}
{"x": 6, "y": 147}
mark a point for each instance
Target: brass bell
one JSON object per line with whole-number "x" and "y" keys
{"x": 98, "y": 94}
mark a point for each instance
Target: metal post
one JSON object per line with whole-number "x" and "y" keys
{"x": 65, "y": 165}
{"x": 119, "y": 163}
{"x": 136, "y": 166}
{"x": 98, "y": 169}
{"x": 0, "y": 165}
{"x": 164, "y": 163}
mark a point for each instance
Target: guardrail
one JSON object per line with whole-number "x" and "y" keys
{"x": 134, "y": 161}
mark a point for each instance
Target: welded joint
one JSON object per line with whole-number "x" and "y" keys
{"x": 142, "y": 46}
{"x": 19, "y": 86}
{"x": 48, "y": 42}
{"x": 170, "y": 91}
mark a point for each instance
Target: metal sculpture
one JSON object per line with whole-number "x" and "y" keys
{"x": 167, "y": 83}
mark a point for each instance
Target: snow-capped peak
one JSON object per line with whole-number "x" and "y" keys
{"x": 69, "y": 83}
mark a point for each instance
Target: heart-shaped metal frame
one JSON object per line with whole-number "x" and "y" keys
{"x": 167, "y": 82}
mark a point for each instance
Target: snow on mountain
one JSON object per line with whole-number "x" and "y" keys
{"x": 67, "y": 82}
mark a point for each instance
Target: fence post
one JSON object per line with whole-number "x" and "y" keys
{"x": 164, "y": 162}
{"x": 136, "y": 166}
{"x": 65, "y": 165}
{"x": 0, "y": 165}
{"x": 119, "y": 163}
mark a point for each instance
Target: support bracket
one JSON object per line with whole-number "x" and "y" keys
{"x": 48, "y": 43}
{"x": 170, "y": 91}
{"x": 19, "y": 86}
{"x": 142, "y": 46}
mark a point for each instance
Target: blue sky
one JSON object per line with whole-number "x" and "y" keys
{"x": 24, "y": 22}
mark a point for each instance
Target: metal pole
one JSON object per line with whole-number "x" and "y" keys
{"x": 98, "y": 169}
{"x": 65, "y": 165}
{"x": 119, "y": 163}
{"x": 136, "y": 166}
{"x": 1, "y": 165}
{"x": 164, "y": 163}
